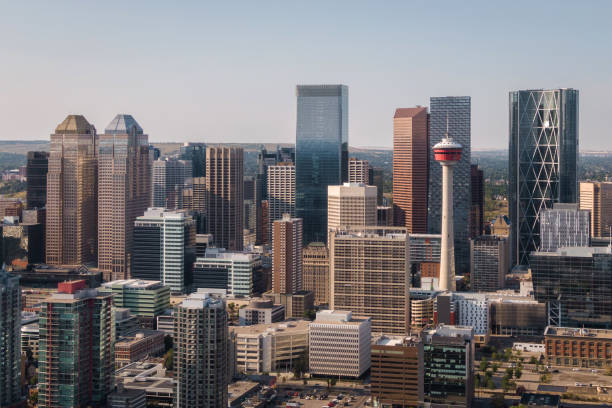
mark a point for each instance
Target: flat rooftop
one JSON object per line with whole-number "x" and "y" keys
{"x": 395, "y": 340}
{"x": 577, "y": 332}
{"x": 288, "y": 326}
{"x": 134, "y": 284}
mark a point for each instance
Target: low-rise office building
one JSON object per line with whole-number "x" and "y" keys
{"x": 576, "y": 347}
{"x": 397, "y": 371}
{"x": 267, "y": 348}
{"x": 296, "y": 304}
{"x": 261, "y": 311}
{"x": 150, "y": 378}
{"x": 125, "y": 322}
{"x": 138, "y": 346}
{"x": 339, "y": 344}
{"x": 145, "y": 299}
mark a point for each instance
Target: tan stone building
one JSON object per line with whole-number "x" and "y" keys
{"x": 124, "y": 184}
{"x": 359, "y": 171}
{"x": 72, "y": 194}
{"x": 316, "y": 272}
{"x": 596, "y": 196}
{"x": 351, "y": 204}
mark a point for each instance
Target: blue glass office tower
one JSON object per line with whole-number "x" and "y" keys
{"x": 543, "y": 156}
{"x": 321, "y": 153}
{"x": 458, "y": 110}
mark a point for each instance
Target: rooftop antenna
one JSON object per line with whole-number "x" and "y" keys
{"x": 446, "y": 135}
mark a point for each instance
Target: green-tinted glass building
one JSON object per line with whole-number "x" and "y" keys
{"x": 76, "y": 353}
{"x": 145, "y": 299}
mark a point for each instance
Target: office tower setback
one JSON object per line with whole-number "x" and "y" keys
{"x": 164, "y": 248}
{"x": 195, "y": 153}
{"x": 10, "y": 339}
{"x": 316, "y": 271}
{"x": 339, "y": 344}
{"x": 36, "y": 175}
{"x": 201, "y": 372}
{"x": 351, "y": 204}
{"x": 448, "y": 154}
{"x": 359, "y": 171}
{"x": 287, "y": 260}
{"x": 321, "y": 151}
{"x": 452, "y": 115}
{"x": 596, "y": 196}
{"x": 224, "y": 196}
{"x": 236, "y": 272}
{"x": 489, "y": 262}
{"x": 564, "y": 225}
{"x": 123, "y": 192}
{"x": 449, "y": 358}
{"x": 397, "y": 371}
{"x": 424, "y": 259}
{"x": 477, "y": 208}
{"x": 410, "y": 168}
{"x": 576, "y": 284}
{"x": 281, "y": 192}
{"x": 369, "y": 275}
{"x": 76, "y": 350}
{"x": 543, "y": 155}
{"x": 168, "y": 182}
{"x": 72, "y": 194}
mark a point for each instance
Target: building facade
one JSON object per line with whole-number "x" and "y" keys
{"x": 397, "y": 372}
{"x": 574, "y": 347}
{"x": 489, "y": 262}
{"x": 576, "y": 285}
{"x": 36, "y": 175}
{"x": 351, "y": 205}
{"x": 411, "y": 168}
{"x": 164, "y": 248}
{"x": 321, "y": 151}
{"x": 596, "y": 196}
{"x": 452, "y": 114}
{"x": 201, "y": 372}
{"x": 238, "y": 268}
{"x": 224, "y": 196}
{"x": 123, "y": 192}
{"x": 196, "y": 154}
{"x": 315, "y": 268}
{"x": 369, "y": 276}
{"x": 287, "y": 273}
{"x": 72, "y": 194}
{"x": 168, "y": 182}
{"x": 281, "y": 192}
{"x": 477, "y": 208}
{"x": 543, "y": 155}
{"x": 76, "y": 347}
{"x": 359, "y": 171}
{"x": 10, "y": 339}
{"x": 339, "y": 344}
{"x": 564, "y": 225}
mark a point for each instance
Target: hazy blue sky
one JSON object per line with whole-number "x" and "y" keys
{"x": 226, "y": 71}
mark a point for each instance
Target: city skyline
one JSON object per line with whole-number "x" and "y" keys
{"x": 202, "y": 80}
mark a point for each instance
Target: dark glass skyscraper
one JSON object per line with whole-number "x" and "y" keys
{"x": 543, "y": 156}
{"x": 196, "y": 154}
{"x": 321, "y": 153}
{"x": 456, "y": 112}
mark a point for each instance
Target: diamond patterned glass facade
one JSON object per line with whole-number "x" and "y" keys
{"x": 543, "y": 155}
{"x": 458, "y": 111}
{"x": 321, "y": 153}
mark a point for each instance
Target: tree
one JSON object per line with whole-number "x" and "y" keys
{"x": 33, "y": 380}
{"x": 484, "y": 364}
{"x": 490, "y": 384}
{"x": 494, "y": 356}
{"x": 33, "y": 398}
{"x": 505, "y": 383}
{"x": 497, "y": 401}
{"x": 477, "y": 381}
{"x": 300, "y": 365}
{"x": 494, "y": 367}
{"x": 509, "y": 372}
{"x": 310, "y": 314}
{"x": 518, "y": 372}
{"x": 169, "y": 360}
{"x": 533, "y": 360}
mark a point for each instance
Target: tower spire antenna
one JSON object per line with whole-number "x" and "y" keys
{"x": 447, "y": 135}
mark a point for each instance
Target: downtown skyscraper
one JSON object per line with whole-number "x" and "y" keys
{"x": 10, "y": 339}
{"x": 321, "y": 153}
{"x": 452, "y": 114}
{"x": 543, "y": 155}
{"x": 123, "y": 192}
{"x": 410, "y": 168}
{"x": 72, "y": 193}
{"x": 225, "y": 196}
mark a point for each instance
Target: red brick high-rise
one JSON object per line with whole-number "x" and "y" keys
{"x": 287, "y": 259}
{"x": 410, "y": 168}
